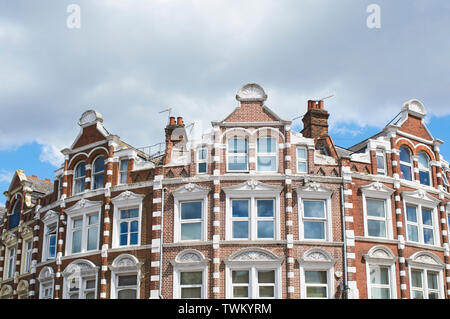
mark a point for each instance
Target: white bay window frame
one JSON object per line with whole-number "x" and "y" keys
{"x": 80, "y": 271}
{"x": 125, "y": 265}
{"x": 426, "y": 262}
{"x": 381, "y": 256}
{"x": 244, "y": 155}
{"x": 50, "y": 221}
{"x": 301, "y": 160}
{"x": 273, "y": 153}
{"x": 189, "y": 260}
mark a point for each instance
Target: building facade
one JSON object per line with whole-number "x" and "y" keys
{"x": 248, "y": 209}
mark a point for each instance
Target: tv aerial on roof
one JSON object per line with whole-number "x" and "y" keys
{"x": 325, "y": 98}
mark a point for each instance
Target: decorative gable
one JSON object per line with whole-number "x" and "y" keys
{"x": 420, "y": 196}
{"x": 378, "y": 188}
{"x": 313, "y": 187}
{"x": 253, "y": 186}
{"x": 84, "y": 204}
{"x": 253, "y": 256}
{"x": 127, "y": 196}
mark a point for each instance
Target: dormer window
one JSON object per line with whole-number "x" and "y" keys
{"x": 424, "y": 169}
{"x": 80, "y": 178}
{"x": 99, "y": 172}
{"x": 237, "y": 157}
{"x": 405, "y": 163}
{"x": 14, "y": 219}
{"x": 267, "y": 154}
{"x": 381, "y": 162}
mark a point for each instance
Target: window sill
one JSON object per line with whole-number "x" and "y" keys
{"x": 424, "y": 246}
{"x": 377, "y": 239}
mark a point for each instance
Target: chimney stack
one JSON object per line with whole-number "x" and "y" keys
{"x": 174, "y": 133}
{"x": 315, "y": 121}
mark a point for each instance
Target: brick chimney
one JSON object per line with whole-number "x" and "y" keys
{"x": 175, "y": 133}
{"x": 315, "y": 121}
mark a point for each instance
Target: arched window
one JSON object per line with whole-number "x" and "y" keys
{"x": 14, "y": 219}
{"x": 237, "y": 157}
{"x": 267, "y": 154}
{"x": 424, "y": 169}
{"x": 79, "y": 179}
{"x": 99, "y": 172}
{"x": 405, "y": 163}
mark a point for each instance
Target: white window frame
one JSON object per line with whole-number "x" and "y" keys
{"x": 190, "y": 193}
{"x": 189, "y": 260}
{"x": 75, "y": 179}
{"x": 317, "y": 259}
{"x": 10, "y": 260}
{"x": 301, "y": 160}
{"x": 378, "y": 191}
{"x": 425, "y": 262}
{"x": 426, "y": 170}
{"x": 120, "y": 268}
{"x": 126, "y": 200}
{"x": 27, "y": 254}
{"x": 315, "y": 192}
{"x": 122, "y": 172}
{"x": 94, "y": 209}
{"x": 410, "y": 164}
{"x": 238, "y": 155}
{"x": 272, "y": 154}
{"x": 202, "y": 160}
{"x": 381, "y": 153}
{"x": 381, "y": 256}
{"x": 50, "y": 219}
{"x": 46, "y": 279}
{"x": 94, "y": 173}
{"x": 82, "y": 275}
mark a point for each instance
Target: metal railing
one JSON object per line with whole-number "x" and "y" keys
{"x": 153, "y": 151}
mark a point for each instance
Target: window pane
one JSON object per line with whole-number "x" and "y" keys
{"x": 411, "y": 213}
{"x": 76, "y": 241}
{"x": 301, "y": 168}
{"x": 265, "y": 229}
{"x": 417, "y": 295}
{"x": 240, "y": 292}
{"x": 266, "y": 276}
{"x": 123, "y": 240}
{"x": 202, "y": 154}
{"x": 133, "y": 213}
{"x": 123, "y": 165}
{"x": 191, "y": 231}
{"x": 99, "y": 181}
{"x": 424, "y": 177}
{"x": 190, "y": 293}
{"x": 428, "y": 237}
{"x": 314, "y": 209}
{"x": 79, "y": 185}
{"x": 379, "y": 275}
{"x": 380, "y": 162}
{"x": 416, "y": 279}
{"x": 423, "y": 161}
{"x": 315, "y": 277}
{"x": 404, "y": 155}
{"x": 123, "y": 227}
{"x": 202, "y": 167}
{"x": 381, "y": 293}
{"x": 127, "y": 294}
{"x": 240, "y": 229}
{"x": 314, "y": 230}
{"x": 237, "y": 163}
{"x": 123, "y": 178}
{"x": 301, "y": 153}
{"x": 133, "y": 239}
{"x": 99, "y": 164}
{"x": 52, "y": 246}
{"x": 265, "y": 208}
{"x": 191, "y": 278}
{"x": 93, "y": 219}
{"x": 267, "y": 163}
{"x": 267, "y": 292}
{"x": 240, "y": 276}
{"x": 77, "y": 223}
{"x": 237, "y": 145}
{"x": 413, "y": 233}
{"x": 432, "y": 281}
{"x": 433, "y": 295}
{"x": 406, "y": 172}
{"x": 80, "y": 170}
{"x": 90, "y": 295}
{"x": 316, "y": 292}
{"x": 134, "y": 226}
{"x": 375, "y": 208}
{"x": 92, "y": 238}
{"x": 376, "y": 228}
{"x": 427, "y": 217}
{"x": 266, "y": 145}
{"x": 240, "y": 208}
{"x": 191, "y": 210}
{"x": 90, "y": 284}
{"x": 128, "y": 280}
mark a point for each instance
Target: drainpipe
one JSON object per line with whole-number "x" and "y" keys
{"x": 161, "y": 243}
{"x": 345, "y": 243}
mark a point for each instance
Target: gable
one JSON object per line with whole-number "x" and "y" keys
{"x": 252, "y": 112}
{"x": 414, "y": 126}
{"x": 88, "y": 136}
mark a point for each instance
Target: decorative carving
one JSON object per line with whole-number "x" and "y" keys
{"x": 90, "y": 117}
{"x": 26, "y": 231}
{"x": 426, "y": 260}
{"x": 377, "y": 185}
{"x": 189, "y": 257}
{"x": 316, "y": 256}
{"x": 126, "y": 262}
{"x": 252, "y": 184}
{"x": 252, "y": 256}
{"x": 189, "y": 187}
{"x": 380, "y": 253}
{"x": 251, "y": 92}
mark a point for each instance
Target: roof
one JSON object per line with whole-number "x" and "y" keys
{"x": 39, "y": 185}
{"x": 343, "y": 152}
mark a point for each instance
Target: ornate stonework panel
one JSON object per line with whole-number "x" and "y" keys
{"x": 90, "y": 117}
{"x": 251, "y": 92}
{"x": 253, "y": 256}
{"x": 189, "y": 257}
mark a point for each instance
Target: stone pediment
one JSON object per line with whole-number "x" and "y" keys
{"x": 83, "y": 204}
{"x": 314, "y": 187}
{"x": 253, "y": 255}
{"x": 421, "y": 196}
{"x": 377, "y": 187}
{"x": 189, "y": 189}
{"x": 253, "y": 186}
{"x": 127, "y": 196}
{"x": 317, "y": 256}
{"x": 189, "y": 257}
{"x": 50, "y": 215}
{"x": 426, "y": 259}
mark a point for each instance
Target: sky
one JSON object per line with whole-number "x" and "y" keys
{"x": 131, "y": 59}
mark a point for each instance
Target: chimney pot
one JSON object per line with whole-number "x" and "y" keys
{"x": 179, "y": 120}
{"x": 172, "y": 120}
{"x": 321, "y": 105}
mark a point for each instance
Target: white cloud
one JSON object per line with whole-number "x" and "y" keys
{"x": 51, "y": 154}
{"x": 6, "y": 176}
